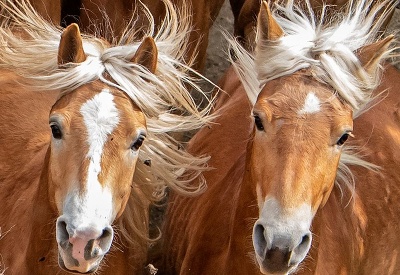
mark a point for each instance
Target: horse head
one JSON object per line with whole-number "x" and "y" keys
{"x": 97, "y": 132}
{"x": 303, "y": 116}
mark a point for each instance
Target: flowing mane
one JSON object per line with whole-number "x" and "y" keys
{"x": 326, "y": 47}
{"x": 29, "y": 45}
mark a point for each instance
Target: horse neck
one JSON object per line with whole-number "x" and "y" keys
{"x": 42, "y": 242}
{"x": 338, "y": 235}
{"x": 246, "y": 207}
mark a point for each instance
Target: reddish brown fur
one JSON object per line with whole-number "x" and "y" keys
{"x": 28, "y": 211}
{"x": 92, "y": 20}
{"x": 203, "y": 12}
{"x": 49, "y": 9}
{"x": 211, "y": 234}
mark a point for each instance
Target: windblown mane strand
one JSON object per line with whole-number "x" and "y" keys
{"x": 327, "y": 48}
{"x": 163, "y": 97}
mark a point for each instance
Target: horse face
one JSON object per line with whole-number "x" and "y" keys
{"x": 300, "y": 127}
{"x": 96, "y": 137}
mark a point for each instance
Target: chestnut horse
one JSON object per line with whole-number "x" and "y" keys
{"x": 85, "y": 142}
{"x": 289, "y": 194}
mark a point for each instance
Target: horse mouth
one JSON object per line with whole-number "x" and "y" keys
{"x": 75, "y": 268}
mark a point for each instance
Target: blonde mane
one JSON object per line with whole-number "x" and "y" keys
{"x": 327, "y": 47}
{"x": 29, "y": 46}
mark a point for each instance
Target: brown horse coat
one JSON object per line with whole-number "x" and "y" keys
{"x": 267, "y": 171}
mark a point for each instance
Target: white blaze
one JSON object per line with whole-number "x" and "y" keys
{"x": 311, "y": 104}
{"x": 93, "y": 208}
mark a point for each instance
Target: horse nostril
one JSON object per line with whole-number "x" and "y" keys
{"x": 304, "y": 245}
{"x": 104, "y": 241}
{"x": 305, "y": 240}
{"x": 105, "y": 236}
{"x": 259, "y": 241}
{"x": 62, "y": 234}
{"x": 107, "y": 233}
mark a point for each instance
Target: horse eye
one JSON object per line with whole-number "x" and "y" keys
{"x": 342, "y": 139}
{"x": 258, "y": 122}
{"x": 56, "y": 132}
{"x": 136, "y": 145}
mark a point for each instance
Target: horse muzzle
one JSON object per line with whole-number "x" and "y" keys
{"x": 81, "y": 248}
{"x": 279, "y": 252}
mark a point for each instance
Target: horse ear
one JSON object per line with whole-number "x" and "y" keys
{"x": 371, "y": 55}
{"x": 147, "y": 54}
{"x": 267, "y": 26}
{"x": 71, "y": 48}
{"x": 244, "y": 27}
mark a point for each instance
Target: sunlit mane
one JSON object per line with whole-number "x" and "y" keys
{"x": 164, "y": 97}
{"x": 327, "y": 48}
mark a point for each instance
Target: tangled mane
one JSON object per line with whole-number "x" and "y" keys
{"x": 29, "y": 47}
{"x": 327, "y": 47}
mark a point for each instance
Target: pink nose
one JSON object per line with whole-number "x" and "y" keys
{"x": 84, "y": 242}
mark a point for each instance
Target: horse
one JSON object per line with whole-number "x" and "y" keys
{"x": 85, "y": 142}
{"x": 245, "y": 12}
{"x": 50, "y": 9}
{"x": 304, "y": 151}
{"x": 90, "y": 17}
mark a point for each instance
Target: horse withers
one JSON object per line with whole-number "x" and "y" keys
{"x": 305, "y": 154}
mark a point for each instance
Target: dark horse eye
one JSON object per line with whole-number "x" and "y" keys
{"x": 136, "y": 145}
{"x": 56, "y": 132}
{"x": 258, "y": 122}
{"x": 342, "y": 139}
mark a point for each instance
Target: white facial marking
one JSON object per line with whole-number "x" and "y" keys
{"x": 94, "y": 206}
{"x": 311, "y": 105}
{"x": 279, "y": 222}
{"x": 100, "y": 117}
{"x": 285, "y": 229}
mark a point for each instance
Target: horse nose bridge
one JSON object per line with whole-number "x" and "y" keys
{"x": 90, "y": 232}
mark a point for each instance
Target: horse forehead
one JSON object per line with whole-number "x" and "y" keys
{"x": 100, "y": 114}
{"x": 287, "y": 98}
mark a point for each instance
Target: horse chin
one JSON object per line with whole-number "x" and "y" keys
{"x": 266, "y": 270}
{"x": 73, "y": 266}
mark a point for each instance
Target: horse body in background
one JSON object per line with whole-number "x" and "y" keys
{"x": 108, "y": 19}
{"x": 272, "y": 205}
{"x": 85, "y": 144}
{"x": 202, "y": 13}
